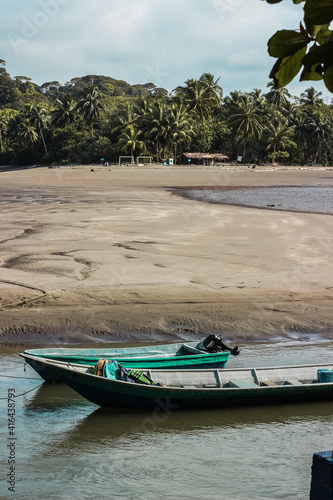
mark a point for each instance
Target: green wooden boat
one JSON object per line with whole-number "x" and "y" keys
{"x": 198, "y": 389}
{"x": 168, "y": 356}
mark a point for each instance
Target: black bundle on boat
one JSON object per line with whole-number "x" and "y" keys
{"x": 214, "y": 343}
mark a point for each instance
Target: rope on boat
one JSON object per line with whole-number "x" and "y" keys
{"x": 24, "y": 393}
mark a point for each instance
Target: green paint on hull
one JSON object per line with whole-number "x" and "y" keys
{"x": 168, "y": 356}
{"x": 198, "y": 389}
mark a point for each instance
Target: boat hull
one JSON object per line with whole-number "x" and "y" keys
{"x": 141, "y": 358}
{"x": 118, "y": 394}
{"x": 168, "y": 399}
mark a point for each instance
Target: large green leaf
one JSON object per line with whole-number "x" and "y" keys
{"x": 313, "y": 73}
{"x": 322, "y": 33}
{"x": 319, "y": 54}
{"x": 286, "y": 68}
{"x": 319, "y": 30}
{"x": 328, "y": 78}
{"x": 289, "y": 47}
{"x": 319, "y": 11}
{"x": 286, "y": 43}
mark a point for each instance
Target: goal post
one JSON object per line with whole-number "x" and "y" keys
{"x": 130, "y": 159}
{"x": 148, "y": 158}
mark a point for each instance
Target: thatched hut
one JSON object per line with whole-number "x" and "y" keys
{"x": 204, "y": 158}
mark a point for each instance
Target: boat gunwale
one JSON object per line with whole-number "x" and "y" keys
{"x": 200, "y": 356}
{"x": 132, "y": 354}
{"x": 117, "y": 350}
{"x": 78, "y": 369}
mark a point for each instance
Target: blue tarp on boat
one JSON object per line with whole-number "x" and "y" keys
{"x": 111, "y": 370}
{"x": 325, "y": 376}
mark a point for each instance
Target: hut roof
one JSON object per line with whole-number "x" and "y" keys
{"x": 206, "y": 156}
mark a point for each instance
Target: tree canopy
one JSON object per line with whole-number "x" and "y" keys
{"x": 95, "y": 117}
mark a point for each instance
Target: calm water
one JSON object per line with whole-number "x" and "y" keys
{"x": 67, "y": 448}
{"x": 314, "y": 199}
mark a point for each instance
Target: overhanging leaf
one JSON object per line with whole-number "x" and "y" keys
{"x": 319, "y": 54}
{"x": 328, "y": 78}
{"x": 320, "y": 32}
{"x": 313, "y": 73}
{"x": 319, "y": 11}
{"x": 286, "y": 43}
{"x": 286, "y": 68}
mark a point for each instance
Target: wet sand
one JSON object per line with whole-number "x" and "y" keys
{"x": 115, "y": 254}
{"x": 306, "y": 199}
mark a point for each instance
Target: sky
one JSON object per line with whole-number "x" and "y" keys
{"x": 160, "y": 41}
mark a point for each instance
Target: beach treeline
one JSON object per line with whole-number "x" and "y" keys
{"x": 96, "y": 119}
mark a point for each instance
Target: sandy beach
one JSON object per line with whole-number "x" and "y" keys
{"x": 113, "y": 253}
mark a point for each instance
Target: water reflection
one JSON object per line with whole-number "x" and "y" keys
{"x": 70, "y": 449}
{"x": 105, "y": 424}
{"x": 257, "y": 453}
{"x": 52, "y": 396}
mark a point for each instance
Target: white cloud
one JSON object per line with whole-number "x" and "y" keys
{"x": 164, "y": 41}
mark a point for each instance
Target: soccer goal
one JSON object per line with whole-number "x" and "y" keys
{"x": 126, "y": 159}
{"x": 144, "y": 159}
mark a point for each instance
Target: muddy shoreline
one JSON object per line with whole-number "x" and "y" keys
{"x": 110, "y": 256}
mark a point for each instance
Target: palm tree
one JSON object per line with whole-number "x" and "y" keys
{"x": 213, "y": 89}
{"x": 231, "y": 101}
{"x": 198, "y": 95}
{"x": 156, "y": 127}
{"x": 320, "y": 129}
{"x": 199, "y": 100}
{"x": 299, "y": 122}
{"x": 310, "y": 97}
{"x": 141, "y": 106}
{"x": 91, "y": 106}
{"x": 260, "y": 103}
{"x": 126, "y": 114}
{"x": 129, "y": 140}
{"x": 245, "y": 120}
{"x": 278, "y": 135}
{"x": 4, "y": 119}
{"x": 39, "y": 119}
{"x": 27, "y": 133}
{"x": 14, "y": 125}
{"x": 65, "y": 112}
{"x": 256, "y": 94}
{"x": 180, "y": 126}
{"x": 277, "y": 97}
{"x": 288, "y": 109}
